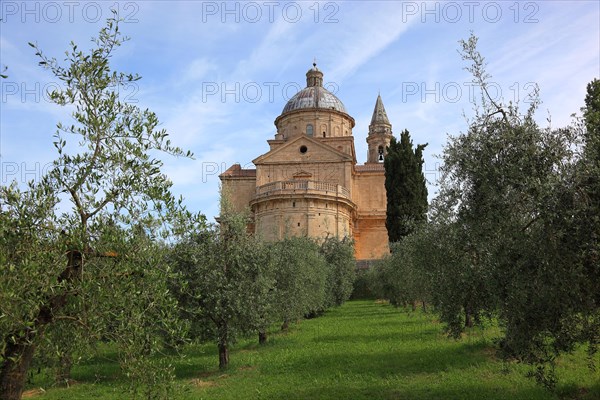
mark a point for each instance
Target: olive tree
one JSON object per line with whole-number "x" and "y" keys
{"x": 225, "y": 277}
{"x": 82, "y": 243}
{"x": 405, "y": 276}
{"x": 519, "y": 202}
{"x": 300, "y": 279}
{"x": 341, "y": 270}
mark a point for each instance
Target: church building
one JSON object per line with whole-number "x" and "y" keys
{"x": 309, "y": 182}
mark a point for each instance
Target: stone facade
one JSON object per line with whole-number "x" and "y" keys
{"x": 309, "y": 182}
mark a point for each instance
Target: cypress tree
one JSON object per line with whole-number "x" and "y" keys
{"x": 405, "y": 186}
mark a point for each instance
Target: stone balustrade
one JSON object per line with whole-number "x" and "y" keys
{"x": 297, "y": 186}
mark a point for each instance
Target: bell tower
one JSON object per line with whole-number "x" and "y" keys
{"x": 380, "y": 133}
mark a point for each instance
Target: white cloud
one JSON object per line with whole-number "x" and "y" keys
{"x": 179, "y": 50}
{"x": 197, "y": 70}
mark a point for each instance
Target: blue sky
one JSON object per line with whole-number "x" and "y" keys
{"x": 218, "y": 73}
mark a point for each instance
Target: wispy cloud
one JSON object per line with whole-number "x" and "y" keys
{"x": 195, "y": 61}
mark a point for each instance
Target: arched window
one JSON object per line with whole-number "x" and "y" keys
{"x": 380, "y": 152}
{"x": 309, "y": 130}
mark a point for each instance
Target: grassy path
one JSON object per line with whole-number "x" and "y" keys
{"x": 362, "y": 350}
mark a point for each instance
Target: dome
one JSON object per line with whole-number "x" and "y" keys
{"x": 314, "y": 95}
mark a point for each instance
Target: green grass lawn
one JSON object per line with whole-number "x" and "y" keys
{"x": 362, "y": 350}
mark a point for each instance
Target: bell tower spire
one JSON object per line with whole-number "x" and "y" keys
{"x": 380, "y": 133}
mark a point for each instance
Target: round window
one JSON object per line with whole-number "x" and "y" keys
{"x": 303, "y": 149}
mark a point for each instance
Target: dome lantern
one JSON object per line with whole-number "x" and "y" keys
{"x": 314, "y": 77}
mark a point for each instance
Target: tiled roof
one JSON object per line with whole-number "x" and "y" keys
{"x": 236, "y": 171}
{"x": 370, "y": 167}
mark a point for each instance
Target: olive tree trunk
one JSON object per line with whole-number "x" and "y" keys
{"x": 20, "y": 347}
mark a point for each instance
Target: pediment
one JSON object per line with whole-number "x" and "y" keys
{"x": 302, "y": 149}
{"x": 302, "y": 174}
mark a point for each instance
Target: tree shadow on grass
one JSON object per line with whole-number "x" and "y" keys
{"x": 382, "y": 363}
{"x": 381, "y": 392}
